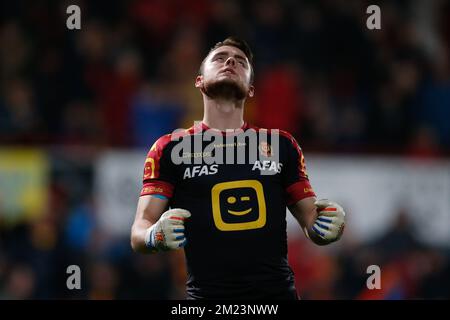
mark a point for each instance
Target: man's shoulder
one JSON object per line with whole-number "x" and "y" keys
{"x": 164, "y": 141}
{"x": 161, "y": 143}
{"x": 283, "y": 134}
{"x": 286, "y": 134}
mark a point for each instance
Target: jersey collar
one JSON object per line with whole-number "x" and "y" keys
{"x": 227, "y": 132}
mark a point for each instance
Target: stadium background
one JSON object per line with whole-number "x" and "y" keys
{"x": 77, "y": 106}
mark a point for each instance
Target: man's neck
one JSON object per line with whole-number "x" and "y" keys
{"x": 223, "y": 114}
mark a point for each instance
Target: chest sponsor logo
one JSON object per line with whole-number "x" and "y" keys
{"x": 238, "y": 205}
{"x": 267, "y": 165}
{"x": 198, "y": 171}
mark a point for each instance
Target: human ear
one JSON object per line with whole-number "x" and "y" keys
{"x": 199, "y": 81}
{"x": 251, "y": 91}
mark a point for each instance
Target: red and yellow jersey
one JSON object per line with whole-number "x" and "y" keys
{"x": 236, "y": 186}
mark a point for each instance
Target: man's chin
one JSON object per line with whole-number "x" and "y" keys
{"x": 226, "y": 88}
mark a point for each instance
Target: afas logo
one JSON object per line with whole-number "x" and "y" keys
{"x": 267, "y": 166}
{"x": 197, "y": 171}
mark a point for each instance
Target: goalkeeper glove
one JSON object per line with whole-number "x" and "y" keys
{"x": 330, "y": 222}
{"x": 168, "y": 232}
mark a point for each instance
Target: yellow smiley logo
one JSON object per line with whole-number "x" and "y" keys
{"x": 232, "y": 200}
{"x": 245, "y": 195}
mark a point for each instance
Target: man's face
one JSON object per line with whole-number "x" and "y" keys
{"x": 226, "y": 74}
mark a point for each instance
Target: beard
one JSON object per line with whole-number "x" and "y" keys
{"x": 226, "y": 89}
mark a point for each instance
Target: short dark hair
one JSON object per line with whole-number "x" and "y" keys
{"x": 233, "y": 42}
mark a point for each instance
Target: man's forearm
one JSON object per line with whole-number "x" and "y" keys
{"x": 138, "y": 232}
{"x": 324, "y": 229}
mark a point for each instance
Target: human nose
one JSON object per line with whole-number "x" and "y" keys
{"x": 230, "y": 61}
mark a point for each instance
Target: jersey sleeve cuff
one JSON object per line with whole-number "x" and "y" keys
{"x": 157, "y": 188}
{"x": 298, "y": 191}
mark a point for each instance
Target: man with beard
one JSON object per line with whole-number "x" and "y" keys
{"x": 230, "y": 216}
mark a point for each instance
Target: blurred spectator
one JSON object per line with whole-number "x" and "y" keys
{"x": 15, "y": 51}
{"x": 82, "y": 125}
{"x": 153, "y": 114}
{"x": 400, "y": 238}
{"x": 103, "y": 281}
{"x": 435, "y": 110}
{"x": 115, "y": 97}
{"x": 279, "y": 98}
{"x": 20, "y": 283}
{"x": 19, "y": 118}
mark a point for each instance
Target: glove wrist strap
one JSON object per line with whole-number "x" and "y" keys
{"x": 149, "y": 239}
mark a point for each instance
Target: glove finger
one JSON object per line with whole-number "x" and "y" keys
{"x": 333, "y": 229}
{"x": 176, "y": 221}
{"x": 324, "y": 226}
{"x": 175, "y": 236}
{"x": 326, "y": 220}
{"x": 341, "y": 230}
{"x": 181, "y": 213}
{"x": 329, "y": 221}
{"x": 181, "y": 243}
{"x": 178, "y": 229}
{"x": 338, "y": 229}
{"x": 329, "y": 206}
{"x": 330, "y": 212}
{"x": 319, "y": 231}
{"x": 323, "y": 203}
{"x": 179, "y": 237}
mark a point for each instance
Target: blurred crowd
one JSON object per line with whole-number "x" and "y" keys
{"x": 127, "y": 77}
{"x": 409, "y": 269}
{"x": 34, "y": 260}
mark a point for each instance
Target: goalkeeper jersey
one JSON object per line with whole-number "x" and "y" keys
{"x": 236, "y": 184}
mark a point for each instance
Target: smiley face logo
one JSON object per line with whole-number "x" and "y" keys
{"x": 238, "y": 205}
{"x": 232, "y": 200}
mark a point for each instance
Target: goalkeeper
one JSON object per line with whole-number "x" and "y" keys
{"x": 230, "y": 218}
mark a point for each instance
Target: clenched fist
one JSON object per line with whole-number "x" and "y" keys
{"x": 330, "y": 222}
{"x": 168, "y": 232}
